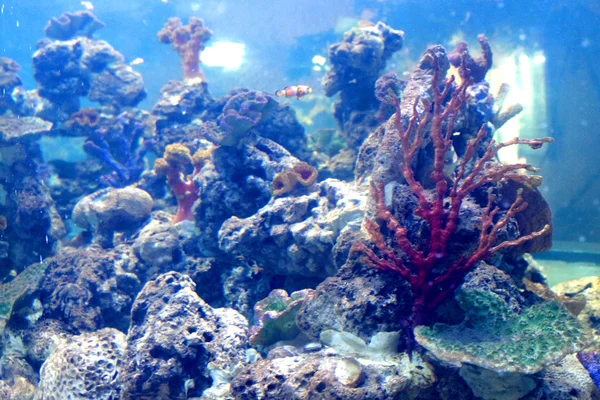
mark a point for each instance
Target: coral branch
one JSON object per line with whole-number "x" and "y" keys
{"x": 432, "y": 277}
{"x": 189, "y": 41}
{"x": 174, "y": 165}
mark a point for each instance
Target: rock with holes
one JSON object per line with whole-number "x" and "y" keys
{"x": 84, "y": 367}
{"x": 308, "y": 234}
{"x": 349, "y": 369}
{"x": 178, "y": 345}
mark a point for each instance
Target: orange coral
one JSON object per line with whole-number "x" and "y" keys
{"x": 174, "y": 165}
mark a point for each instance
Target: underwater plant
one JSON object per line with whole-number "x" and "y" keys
{"x": 425, "y": 264}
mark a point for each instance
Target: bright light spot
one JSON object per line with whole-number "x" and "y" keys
{"x": 585, "y": 43}
{"x": 522, "y": 37}
{"x": 316, "y": 68}
{"x": 87, "y": 5}
{"x": 228, "y": 55}
{"x": 539, "y": 59}
{"x": 524, "y": 59}
{"x": 319, "y": 60}
{"x": 18, "y": 23}
{"x": 137, "y": 61}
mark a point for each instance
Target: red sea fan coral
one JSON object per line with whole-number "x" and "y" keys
{"x": 426, "y": 269}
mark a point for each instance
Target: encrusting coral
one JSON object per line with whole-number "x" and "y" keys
{"x": 71, "y": 24}
{"x": 494, "y": 337}
{"x": 189, "y": 41}
{"x": 243, "y": 111}
{"x": 275, "y": 317}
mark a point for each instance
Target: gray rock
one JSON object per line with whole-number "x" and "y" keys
{"x": 361, "y": 302}
{"x": 89, "y": 288}
{"x": 18, "y": 130}
{"x": 352, "y": 370}
{"x": 491, "y": 385}
{"x": 307, "y": 235}
{"x": 566, "y": 380}
{"x": 110, "y": 210}
{"x": 157, "y": 243}
{"x": 177, "y": 343}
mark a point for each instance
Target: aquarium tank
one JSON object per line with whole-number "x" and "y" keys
{"x": 290, "y": 200}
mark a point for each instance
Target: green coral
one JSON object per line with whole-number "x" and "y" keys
{"x": 20, "y": 286}
{"x": 494, "y": 337}
{"x": 276, "y": 317}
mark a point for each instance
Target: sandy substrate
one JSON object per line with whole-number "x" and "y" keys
{"x": 560, "y": 271}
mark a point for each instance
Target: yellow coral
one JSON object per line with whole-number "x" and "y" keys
{"x": 284, "y": 182}
{"x": 178, "y": 156}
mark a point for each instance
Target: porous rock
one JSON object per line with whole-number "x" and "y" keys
{"x": 568, "y": 379}
{"x": 237, "y": 183}
{"x": 176, "y": 341}
{"x": 18, "y": 130}
{"x": 490, "y": 385}
{"x": 41, "y": 340}
{"x": 89, "y": 288}
{"x": 348, "y": 370}
{"x": 85, "y": 367}
{"x": 587, "y": 287}
{"x": 307, "y": 235}
{"x": 110, "y": 210}
{"x": 359, "y": 300}
{"x": 157, "y": 243}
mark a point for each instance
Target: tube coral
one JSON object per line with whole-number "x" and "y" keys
{"x": 189, "y": 41}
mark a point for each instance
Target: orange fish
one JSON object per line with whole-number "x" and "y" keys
{"x": 297, "y": 91}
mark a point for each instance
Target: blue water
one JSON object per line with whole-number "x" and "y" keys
{"x": 550, "y": 51}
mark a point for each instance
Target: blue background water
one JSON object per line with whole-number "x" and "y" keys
{"x": 281, "y": 38}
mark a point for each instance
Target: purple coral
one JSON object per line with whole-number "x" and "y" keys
{"x": 242, "y": 112}
{"x": 118, "y": 143}
{"x": 591, "y": 362}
